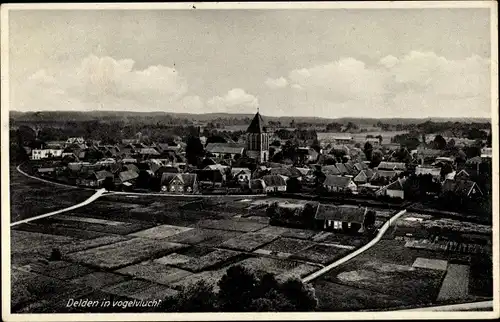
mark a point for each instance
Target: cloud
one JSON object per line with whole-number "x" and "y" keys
{"x": 418, "y": 84}
{"x": 276, "y": 83}
{"x": 103, "y": 81}
{"x": 235, "y": 101}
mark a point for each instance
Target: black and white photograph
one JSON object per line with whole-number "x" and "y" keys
{"x": 198, "y": 161}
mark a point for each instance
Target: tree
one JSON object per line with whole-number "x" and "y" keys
{"x": 300, "y": 295}
{"x": 380, "y": 138}
{"x": 450, "y": 145}
{"x": 276, "y": 143}
{"x": 198, "y": 297}
{"x": 446, "y": 169}
{"x": 293, "y": 185}
{"x": 316, "y": 146}
{"x": 439, "y": 142}
{"x": 194, "y": 150}
{"x": 237, "y": 289}
{"x": 368, "y": 150}
{"x": 377, "y": 157}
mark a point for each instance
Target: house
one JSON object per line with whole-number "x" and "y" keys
{"x": 129, "y": 160}
{"x": 77, "y": 166}
{"x": 257, "y": 186}
{"x": 346, "y": 218}
{"x": 179, "y": 183}
{"x": 335, "y": 183}
{"x": 78, "y": 140}
{"x": 147, "y": 152}
{"x": 342, "y": 139}
{"x": 131, "y": 167}
{"x": 330, "y": 170}
{"x": 433, "y": 171}
{"x": 307, "y": 154}
{"x": 462, "y": 188}
{"x": 304, "y": 171}
{"x": 211, "y": 177}
{"x": 462, "y": 175}
{"x": 427, "y": 156}
{"x": 94, "y": 179}
{"x": 167, "y": 169}
{"x": 386, "y": 174}
{"x": 368, "y": 189}
{"x": 363, "y": 176}
{"x": 351, "y": 170}
{"x": 486, "y": 153}
{"x": 360, "y": 166}
{"x": 225, "y": 150}
{"x": 127, "y": 178}
{"x": 241, "y": 175}
{"x": 395, "y": 166}
{"x": 274, "y": 183}
{"x": 38, "y": 154}
{"x": 46, "y": 171}
{"x": 393, "y": 190}
{"x": 342, "y": 168}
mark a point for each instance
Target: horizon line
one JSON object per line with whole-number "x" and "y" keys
{"x": 250, "y": 113}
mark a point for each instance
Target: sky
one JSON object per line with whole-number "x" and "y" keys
{"x": 324, "y": 62}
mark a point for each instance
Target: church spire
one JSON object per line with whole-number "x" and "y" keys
{"x": 257, "y": 124}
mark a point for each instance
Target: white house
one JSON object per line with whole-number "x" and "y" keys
{"x": 38, "y": 154}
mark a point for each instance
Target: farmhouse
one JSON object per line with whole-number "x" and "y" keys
{"x": 334, "y": 183}
{"x": 345, "y": 218}
{"x": 225, "y": 150}
{"x": 274, "y": 183}
{"x": 363, "y": 176}
{"x": 393, "y": 190}
{"x": 94, "y": 179}
{"x": 462, "y": 188}
{"x": 179, "y": 183}
{"x": 241, "y": 175}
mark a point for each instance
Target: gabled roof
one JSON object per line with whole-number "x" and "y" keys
{"x": 341, "y": 213}
{"x": 460, "y": 187}
{"x": 330, "y": 170}
{"x": 274, "y": 180}
{"x": 361, "y": 177}
{"x": 337, "y": 181}
{"x": 168, "y": 169}
{"x": 257, "y": 124}
{"x": 396, "y": 185}
{"x": 229, "y": 148}
{"x": 385, "y": 173}
{"x": 148, "y": 151}
{"x": 474, "y": 160}
{"x": 103, "y": 174}
{"x": 131, "y": 167}
{"x": 236, "y": 171}
{"x": 384, "y": 165}
{"x": 187, "y": 179}
{"x": 428, "y": 170}
{"x": 342, "y": 168}
{"x": 462, "y": 174}
{"x": 128, "y": 175}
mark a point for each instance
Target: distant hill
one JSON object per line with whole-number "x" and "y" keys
{"x": 61, "y": 116}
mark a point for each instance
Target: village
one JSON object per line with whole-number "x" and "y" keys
{"x": 260, "y": 163}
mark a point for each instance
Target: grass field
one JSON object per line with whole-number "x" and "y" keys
{"x": 30, "y": 197}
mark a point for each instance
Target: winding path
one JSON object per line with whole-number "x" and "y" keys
{"x": 361, "y": 250}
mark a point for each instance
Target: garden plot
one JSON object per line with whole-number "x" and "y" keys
{"x": 92, "y": 243}
{"x": 248, "y": 242}
{"x": 289, "y": 232}
{"x": 286, "y": 246}
{"x": 125, "y": 253}
{"x": 173, "y": 259}
{"x": 154, "y": 272}
{"x": 63, "y": 272}
{"x": 127, "y": 288}
{"x": 323, "y": 254}
{"x": 207, "y": 237}
{"x": 411, "y": 285}
{"x": 351, "y": 241}
{"x": 334, "y": 297}
{"x": 154, "y": 292}
{"x": 94, "y": 225}
{"x": 57, "y": 230}
{"x": 31, "y": 242}
{"x": 233, "y": 224}
{"x": 214, "y": 259}
{"x": 456, "y": 283}
{"x": 428, "y": 263}
{"x": 98, "y": 280}
{"x": 212, "y": 278}
{"x": 160, "y": 232}
{"x": 280, "y": 267}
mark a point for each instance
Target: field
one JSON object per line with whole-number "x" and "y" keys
{"x": 395, "y": 273}
{"x": 148, "y": 247}
{"x": 30, "y": 197}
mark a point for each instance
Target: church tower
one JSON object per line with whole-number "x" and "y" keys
{"x": 257, "y": 145}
